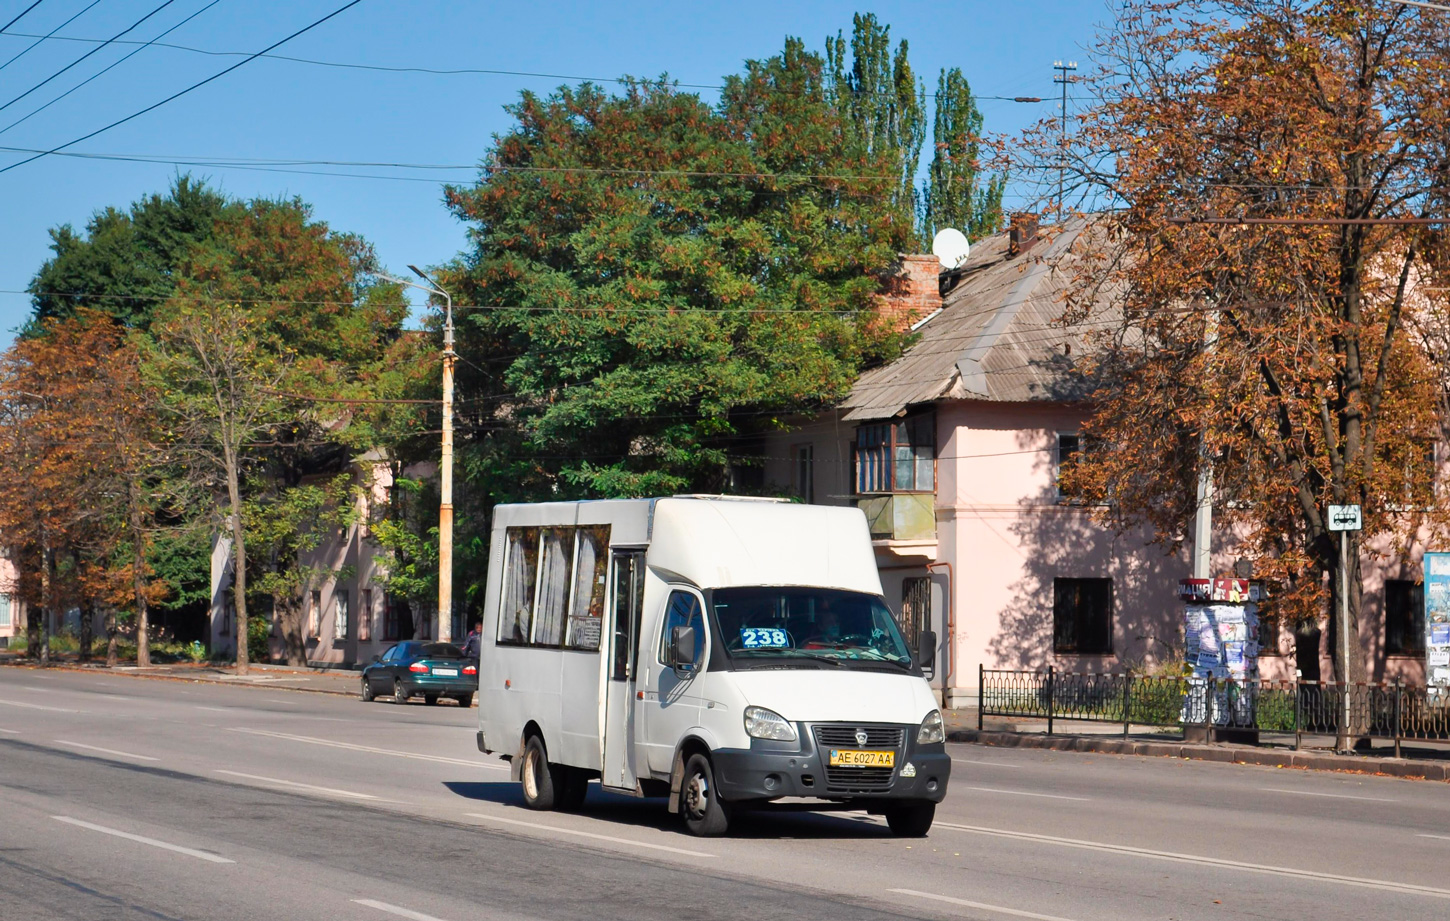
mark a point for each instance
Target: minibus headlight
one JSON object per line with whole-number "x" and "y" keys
{"x": 761, "y": 723}
{"x": 932, "y": 729}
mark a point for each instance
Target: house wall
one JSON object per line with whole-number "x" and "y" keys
{"x": 1006, "y": 536}
{"x": 9, "y": 589}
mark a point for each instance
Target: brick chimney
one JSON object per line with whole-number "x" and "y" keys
{"x": 912, "y": 291}
{"x": 1023, "y": 233}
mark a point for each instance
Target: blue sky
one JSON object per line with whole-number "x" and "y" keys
{"x": 279, "y": 109}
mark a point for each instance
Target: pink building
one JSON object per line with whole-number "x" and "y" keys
{"x": 953, "y": 450}
{"x": 12, "y": 609}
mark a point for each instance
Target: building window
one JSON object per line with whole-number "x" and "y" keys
{"x": 1082, "y": 616}
{"x": 1068, "y": 446}
{"x": 229, "y": 611}
{"x": 1404, "y": 617}
{"x": 314, "y": 615}
{"x": 803, "y": 472}
{"x": 1271, "y": 634}
{"x": 5, "y": 620}
{"x": 896, "y": 456}
{"x": 339, "y": 617}
{"x": 915, "y": 609}
{"x": 364, "y": 615}
{"x": 393, "y": 619}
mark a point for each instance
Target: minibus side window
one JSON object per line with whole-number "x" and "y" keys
{"x": 554, "y": 576}
{"x": 586, "y": 604}
{"x": 683, "y": 611}
{"x": 516, "y": 615}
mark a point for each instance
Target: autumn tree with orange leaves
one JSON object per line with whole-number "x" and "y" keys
{"x": 1267, "y": 178}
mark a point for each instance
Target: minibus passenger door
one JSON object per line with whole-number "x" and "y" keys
{"x": 626, "y": 604}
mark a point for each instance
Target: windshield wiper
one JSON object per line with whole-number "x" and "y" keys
{"x": 807, "y": 655}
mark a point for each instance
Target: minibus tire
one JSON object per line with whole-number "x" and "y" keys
{"x": 573, "y": 787}
{"x": 705, "y": 815}
{"x": 911, "y": 819}
{"x": 536, "y": 776}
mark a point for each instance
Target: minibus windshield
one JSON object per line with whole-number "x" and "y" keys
{"x": 807, "y": 627}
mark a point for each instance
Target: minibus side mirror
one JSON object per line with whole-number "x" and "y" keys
{"x": 682, "y": 647}
{"x": 926, "y": 651}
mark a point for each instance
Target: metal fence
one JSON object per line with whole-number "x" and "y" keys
{"x": 1394, "y": 711}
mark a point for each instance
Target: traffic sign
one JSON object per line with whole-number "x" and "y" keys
{"x": 1345, "y": 518}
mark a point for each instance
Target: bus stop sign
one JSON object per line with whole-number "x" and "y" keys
{"x": 1345, "y": 518}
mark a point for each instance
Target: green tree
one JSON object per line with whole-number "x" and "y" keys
{"x": 956, "y": 195}
{"x": 125, "y": 263}
{"x": 882, "y": 102}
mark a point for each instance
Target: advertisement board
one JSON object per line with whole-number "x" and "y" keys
{"x": 1437, "y": 618}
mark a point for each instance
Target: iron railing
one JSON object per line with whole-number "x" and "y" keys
{"x": 1393, "y": 711}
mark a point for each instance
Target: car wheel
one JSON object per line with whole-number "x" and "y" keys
{"x": 572, "y": 791}
{"x": 367, "y": 690}
{"x": 535, "y": 776}
{"x": 911, "y": 820}
{"x": 430, "y": 699}
{"x": 400, "y": 695}
{"x": 705, "y": 814}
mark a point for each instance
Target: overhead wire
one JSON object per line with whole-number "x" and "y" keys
{"x": 95, "y": 50}
{"x": 40, "y": 38}
{"x": 200, "y": 83}
{"x": 21, "y": 15}
{"x": 140, "y": 47}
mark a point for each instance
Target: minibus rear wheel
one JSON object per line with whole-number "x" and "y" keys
{"x": 535, "y": 777}
{"x": 911, "y": 819}
{"x": 705, "y": 815}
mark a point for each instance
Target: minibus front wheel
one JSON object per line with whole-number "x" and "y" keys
{"x": 911, "y": 819}
{"x": 705, "y": 814}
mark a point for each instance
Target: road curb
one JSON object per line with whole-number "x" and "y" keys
{"x": 1306, "y": 761}
{"x": 190, "y": 679}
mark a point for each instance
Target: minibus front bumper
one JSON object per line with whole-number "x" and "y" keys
{"x": 771, "y": 770}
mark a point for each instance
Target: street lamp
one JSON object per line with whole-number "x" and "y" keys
{"x": 445, "y": 465}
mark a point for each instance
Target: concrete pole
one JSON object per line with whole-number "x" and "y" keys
{"x": 445, "y": 505}
{"x": 1203, "y": 525}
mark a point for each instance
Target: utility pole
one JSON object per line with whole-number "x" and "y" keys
{"x": 1063, "y": 77}
{"x": 444, "y": 634}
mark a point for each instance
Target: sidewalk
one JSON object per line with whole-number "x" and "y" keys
{"x": 1419, "y": 763}
{"x": 316, "y": 680}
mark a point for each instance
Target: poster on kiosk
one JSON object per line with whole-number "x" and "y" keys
{"x": 1220, "y": 642}
{"x": 1437, "y": 622}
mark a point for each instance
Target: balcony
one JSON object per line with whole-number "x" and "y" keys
{"x": 902, "y": 516}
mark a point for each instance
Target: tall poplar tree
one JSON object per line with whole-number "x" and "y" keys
{"x": 957, "y": 193}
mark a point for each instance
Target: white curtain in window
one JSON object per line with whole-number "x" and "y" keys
{"x": 517, "y": 616}
{"x": 586, "y": 609}
{"x": 555, "y": 574}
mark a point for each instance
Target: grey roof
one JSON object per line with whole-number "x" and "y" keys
{"x": 998, "y": 336}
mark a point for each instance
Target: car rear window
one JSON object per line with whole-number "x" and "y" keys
{"x": 441, "y": 650}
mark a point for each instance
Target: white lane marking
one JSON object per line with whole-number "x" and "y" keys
{"x": 117, "y": 697}
{"x": 215, "y": 709}
{"x": 300, "y": 786}
{"x": 983, "y": 906}
{"x": 1290, "y": 872}
{"x": 140, "y": 839}
{"x": 16, "y": 703}
{"x": 108, "y": 751}
{"x": 1440, "y": 837}
{"x": 368, "y": 748}
{"x": 396, "y": 910}
{"x": 1368, "y": 799}
{"x": 589, "y": 834}
{"x": 1000, "y": 764}
{"x": 1080, "y": 799}
{"x": 13, "y": 732}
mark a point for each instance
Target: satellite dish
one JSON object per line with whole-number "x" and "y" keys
{"x": 951, "y": 247}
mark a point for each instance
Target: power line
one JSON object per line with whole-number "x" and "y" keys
{"x": 457, "y": 71}
{"x": 41, "y": 38}
{"x": 21, "y": 15}
{"x": 95, "y": 50}
{"x": 156, "y": 105}
{"x": 140, "y": 47}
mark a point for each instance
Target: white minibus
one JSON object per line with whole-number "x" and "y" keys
{"x": 722, "y": 652}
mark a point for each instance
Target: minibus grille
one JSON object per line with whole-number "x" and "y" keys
{"x": 858, "y": 779}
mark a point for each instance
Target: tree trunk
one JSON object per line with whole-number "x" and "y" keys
{"x": 112, "y": 639}
{"x": 88, "y": 611}
{"x": 33, "y": 615}
{"x": 239, "y": 561}
{"x": 290, "y": 616}
{"x": 138, "y": 579}
{"x": 47, "y": 602}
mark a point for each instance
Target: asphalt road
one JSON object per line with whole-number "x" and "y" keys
{"x": 125, "y": 798}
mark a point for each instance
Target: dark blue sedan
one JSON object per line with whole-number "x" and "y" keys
{"x": 419, "y": 669}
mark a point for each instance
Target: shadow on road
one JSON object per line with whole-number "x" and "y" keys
{"x": 775, "y": 820}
